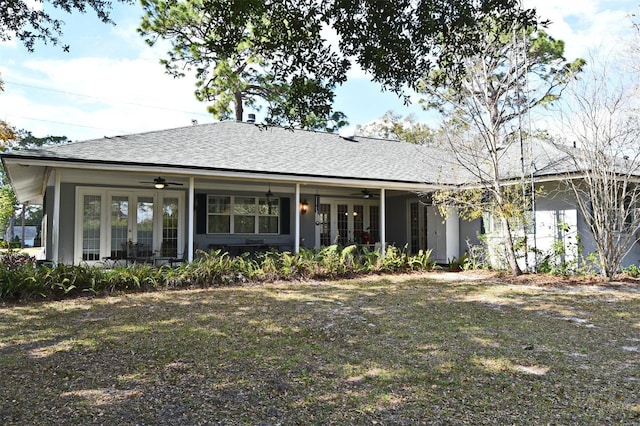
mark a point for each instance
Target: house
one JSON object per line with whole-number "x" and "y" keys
{"x": 241, "y": 186}
{"x": 233, "y": 184}
{"x": 30, "y": 234}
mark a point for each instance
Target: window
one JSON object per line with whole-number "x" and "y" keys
{"x": 91, "y": 235}
{"x": 242, "y": 215}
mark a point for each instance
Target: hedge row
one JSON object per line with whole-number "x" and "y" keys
{"x": 21, "y": 278}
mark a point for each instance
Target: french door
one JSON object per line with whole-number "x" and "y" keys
{"x": 108, "y": 221}
{"x": 347, "y": 222}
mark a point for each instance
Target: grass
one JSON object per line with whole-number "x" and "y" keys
{"x": 397, "y": 350}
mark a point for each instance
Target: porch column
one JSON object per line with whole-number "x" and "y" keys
{"x": 383, "y": 223}
{"x": 452, "y": 227}
{"x": 55, "y": 232}
{"x": 190, "y": 220}
{"x": 296, "y": 237}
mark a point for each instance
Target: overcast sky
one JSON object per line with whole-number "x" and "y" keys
{"x": 112, "y": 83}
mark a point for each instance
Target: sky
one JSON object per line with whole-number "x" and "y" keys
{"x": 111, "y": 82}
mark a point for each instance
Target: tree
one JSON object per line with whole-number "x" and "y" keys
{"x": 279, "y": 52}
{"x": 394, "y": 126}
{"x": 513, "y": 72}
{"x": 29, "y": 21}
{"x": 21, "y": 139}
{"x": 600, "y": 118}
{"x": 26, "y": 140}
{"x": 7, "y": 132}
{"x": 247, "y": 52}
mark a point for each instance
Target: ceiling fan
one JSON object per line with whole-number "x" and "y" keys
{"x": 161, "y": 183}
{"x": 366, "y": 194}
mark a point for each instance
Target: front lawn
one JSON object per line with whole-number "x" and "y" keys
{"x": 408, "y": 349}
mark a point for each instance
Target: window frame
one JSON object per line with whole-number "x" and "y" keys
{"x": 257, "y": 215}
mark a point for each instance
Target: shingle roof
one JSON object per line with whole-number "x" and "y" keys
{"x": 245, "y": 147}
{"x": 235, "y": 146}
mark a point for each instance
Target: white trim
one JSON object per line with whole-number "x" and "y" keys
{"x": 106, "y": 195}
{"x": 383, "y": 224}
{"x": 191, "y": 220}
{"x": 55, "y": 232}
{"x": 175, "y": 172}
{"x": 296, "y": 238}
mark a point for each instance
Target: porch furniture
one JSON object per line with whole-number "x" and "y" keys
{"x": 138, "y": 253}
{"x": 251, "y": 246}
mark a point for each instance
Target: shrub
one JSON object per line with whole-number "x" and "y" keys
{"x": 22, "y": 278}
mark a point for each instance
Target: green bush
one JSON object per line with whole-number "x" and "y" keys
{"x": 22, "y": 278}
{"x": 632, "y": 270}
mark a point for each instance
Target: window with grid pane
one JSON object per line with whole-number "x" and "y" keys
{"x": 92, "y": 209}
{"x": 219, "y": 215}
{"x": 242, "y": 215}
{"x": 170, "y": 213}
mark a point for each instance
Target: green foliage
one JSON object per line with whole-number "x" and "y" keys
{"x": 7, "y": 132}
{"x": 279, "y": 53}
{"x": 21, "y": 278}
{"x": 394, "y": 126}
{"x": 8, "y": 204}
{"x": 251, "y": 53}
{"x": 566, "y": 260}
{"x": 632, "y": 270}
{"x": 30, "y": 21}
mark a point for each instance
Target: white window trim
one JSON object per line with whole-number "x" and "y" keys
{"x": 275, "y": 200}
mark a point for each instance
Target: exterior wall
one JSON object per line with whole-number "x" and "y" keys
{"x": 67, "y": 222}
{"x": 307, "y": 222}
{"x": 469, "y": 234}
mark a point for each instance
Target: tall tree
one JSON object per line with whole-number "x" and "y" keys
{"x": 279, "y": 52}
{"x": 31, "y": 21}
{"x": 396, "y": 127}
{"x": 248, "y": 52}
{"x": 513, "y": 72}
{"x": 601, "y": 118}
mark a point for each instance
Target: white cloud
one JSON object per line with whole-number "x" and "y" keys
{"x": 585, "y": 26}
{"x": 127, "y": 95}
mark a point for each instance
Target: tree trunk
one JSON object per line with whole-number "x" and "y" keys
{"x": 511, "y": 252}
{"x": 239, "y": 106}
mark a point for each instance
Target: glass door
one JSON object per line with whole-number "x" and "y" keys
{"x": 144, "y": 227}
{"x": 324, "y": 223}
{"x": 346, "y": 222}
{"x": 118, "y": 224}
{"x": 170, "y": 228}
{"x": 91, "y": 227}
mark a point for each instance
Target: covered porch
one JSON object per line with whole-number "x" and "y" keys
{"x": 98, "y": 217}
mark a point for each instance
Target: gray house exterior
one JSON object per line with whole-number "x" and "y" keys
{"x": 233, "y": 184}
